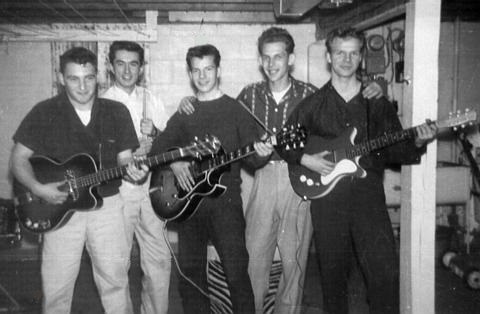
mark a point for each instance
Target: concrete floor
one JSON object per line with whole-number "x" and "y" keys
{"x": 20, "y": 279}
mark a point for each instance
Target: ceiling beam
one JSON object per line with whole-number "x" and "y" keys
{"x": 357, "y": 14}
{"x": 293, "y": 8}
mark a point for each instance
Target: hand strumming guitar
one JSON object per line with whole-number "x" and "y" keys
{"x": 181, "y": 170}
{"x": 50, "y": 192}
{"x": 317, "y": 162}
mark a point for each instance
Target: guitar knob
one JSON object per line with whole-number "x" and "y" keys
{"x": 309, "y": 182}
{"x": 28, "y": 222}
{"x": 35, "y": 225}
{"x": 303, "y": 178}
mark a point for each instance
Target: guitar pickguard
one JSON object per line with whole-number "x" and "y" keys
{"x": 342, "y": 168}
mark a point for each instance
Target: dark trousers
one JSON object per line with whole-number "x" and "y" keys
{"x": 221, "y": 221}
{"x": 352, "y": 221}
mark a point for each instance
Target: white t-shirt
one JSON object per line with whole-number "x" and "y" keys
{"x": 84, "y": 115}
{"x": 279, "y": 95}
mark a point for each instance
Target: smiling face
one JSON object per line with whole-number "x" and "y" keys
{"x": 345, "y": 57}
{"x": 276, "y": 62}
{"x": 80, "y": 82}
{"x": 127, "y": 68}
{"x": 204, "y": 75}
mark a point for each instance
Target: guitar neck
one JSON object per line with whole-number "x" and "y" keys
{"x": 383, "y": 141}
{"x": 120, "y": 171}
{"x": 220, "y": 160}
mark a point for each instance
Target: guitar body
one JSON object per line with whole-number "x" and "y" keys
{"x": 310, "y": 184}
{"x": 171, "y": 203}
{"x": 38, "y": 216}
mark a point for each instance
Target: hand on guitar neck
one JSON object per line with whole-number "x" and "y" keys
{"x": 426, "y": 133}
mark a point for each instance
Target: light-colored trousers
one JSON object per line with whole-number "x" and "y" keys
{"x": 155, "y": 257}
{"x": 277, "y": 217}
{"x": 102, "y": 231}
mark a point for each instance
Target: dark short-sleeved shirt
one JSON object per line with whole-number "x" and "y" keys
{"x": 326, "y": 114}
{"x": 259, "y": 98}
{"x": 224, "y": 118}
{"x": 53, "y": 129}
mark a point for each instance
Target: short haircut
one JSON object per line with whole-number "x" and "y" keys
{"x": 78, "y": 55}
{"x": 344, "y": 33}
{"x": 128, "y": 46}
{"x": 202, "y": 51}
{"x": 276, "y": 34}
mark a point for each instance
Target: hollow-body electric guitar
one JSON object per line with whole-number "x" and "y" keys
{"x": 80, "y": 175}
{"x": 345, "y": 154}
{"x": 170, "y": 202}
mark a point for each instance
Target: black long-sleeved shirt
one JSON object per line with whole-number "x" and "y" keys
{"x": 326, "y": 114}
{"x": 224, "y": 118}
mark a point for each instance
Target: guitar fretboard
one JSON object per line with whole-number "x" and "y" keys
{"x": 381, "y": 142}
{"x": 120, "y": 171}
{"x": 220, "y": 160}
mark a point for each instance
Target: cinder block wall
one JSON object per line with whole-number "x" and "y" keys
{"x": 238, "y": 48}
{"x": 25, "y": 79}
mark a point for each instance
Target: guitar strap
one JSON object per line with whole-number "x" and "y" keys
{"x": 256, "y": 118}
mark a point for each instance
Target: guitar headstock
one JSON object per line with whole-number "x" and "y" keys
{"x": 291, "y": 137}
{"x": 208, "y": 146}
{"x": 459, "y": 119}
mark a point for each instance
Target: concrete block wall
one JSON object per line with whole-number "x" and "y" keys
{"x": 25, "y": 79}
{"x": 238, "y": 48}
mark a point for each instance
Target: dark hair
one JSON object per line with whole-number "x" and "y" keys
{"x": 276, "y": 34}
{"x": 128, "y": 46}
{"x": 78, "y": 55}
{"x": 344, "y": 33}
{"x": 202, "y": 51}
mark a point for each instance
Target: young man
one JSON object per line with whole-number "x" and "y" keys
{"x": 220, "y": 219}
{"x": 276, "y": 217}
{"x": 74, "y": 122}
{"x": 149, "y": 118}
{"x": 352, "y": 219}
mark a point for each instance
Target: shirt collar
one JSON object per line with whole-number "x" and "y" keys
{"x": 122, "y": 93}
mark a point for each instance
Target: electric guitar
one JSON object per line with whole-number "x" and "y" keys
{"x": 80, "y": 175}
{"x": 171, "y": 203}
{"x": 345, "y": 154}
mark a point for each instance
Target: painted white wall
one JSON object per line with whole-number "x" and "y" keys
{"x": 25, "y": 79}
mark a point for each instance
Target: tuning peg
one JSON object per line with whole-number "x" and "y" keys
{"x": 455, "y": 128}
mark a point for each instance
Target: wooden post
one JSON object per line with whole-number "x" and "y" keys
{"x": 417, "y": 247}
